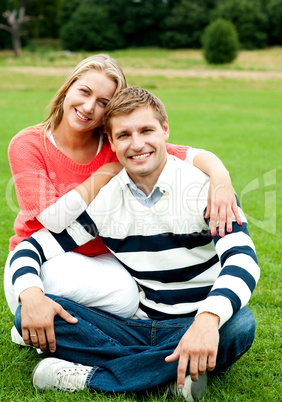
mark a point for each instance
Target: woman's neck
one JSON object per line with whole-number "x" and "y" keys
{"x": 80, "y": 147}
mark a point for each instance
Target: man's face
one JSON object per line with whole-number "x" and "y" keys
{"x": 138, "y": 140}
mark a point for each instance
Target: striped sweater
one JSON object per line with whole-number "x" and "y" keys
{"x": 180, "y": 268}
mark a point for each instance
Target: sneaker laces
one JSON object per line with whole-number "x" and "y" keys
{"x": 72, "y": 379}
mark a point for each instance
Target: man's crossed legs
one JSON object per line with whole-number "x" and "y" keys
{"x": 129, "y": 355}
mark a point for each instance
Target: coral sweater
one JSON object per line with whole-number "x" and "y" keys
{"x": 42, "y": 174}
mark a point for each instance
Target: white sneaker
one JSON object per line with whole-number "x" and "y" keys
{"x": 192, "y": 391}
{"x": 57, "y": 374}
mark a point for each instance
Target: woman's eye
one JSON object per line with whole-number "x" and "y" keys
{"x": 103, "y": 103}
{"x": 84, "y": 91}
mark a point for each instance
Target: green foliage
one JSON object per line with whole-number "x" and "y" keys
{"x": 185, "y": 24}
{"x": 67, "y": 8}
{"x": 90, "y": 28}
{"x": 274, "y": 12}
{"x": 5, "y": 39}
{"x": 249, "y": 20}
{"x": 220, "y": 42}
{"x": 140, "y": 22}
{"x": 44, "y": 18}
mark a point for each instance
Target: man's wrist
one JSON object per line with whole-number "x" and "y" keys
{"x": 206, "y": 315}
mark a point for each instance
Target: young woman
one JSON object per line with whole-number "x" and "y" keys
{"x": 57, "y": 168}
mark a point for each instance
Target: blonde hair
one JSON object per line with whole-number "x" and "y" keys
{"x": 128, "y": 100}
{"x": 99, "y": 62}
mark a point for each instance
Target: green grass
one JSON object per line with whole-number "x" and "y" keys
{"x": 238, "y": 120}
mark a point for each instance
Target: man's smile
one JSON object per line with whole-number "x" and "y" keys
{"x": 140, "y": 156}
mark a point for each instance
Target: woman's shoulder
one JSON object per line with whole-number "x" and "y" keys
{"x": 28, "y": 137}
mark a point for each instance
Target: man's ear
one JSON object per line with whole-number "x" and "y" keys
{"x": 111, "y": 142}
{"x": 166, "y": 130}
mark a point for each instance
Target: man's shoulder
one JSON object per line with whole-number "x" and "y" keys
{"x": 190, "y": 172}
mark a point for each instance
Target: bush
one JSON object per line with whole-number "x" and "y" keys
{"x": 185, "y": 24}
{"x": 274, "y": 12}
{"x": 90, "y": 28}
{"x": 220, "y": 42}
{"x": 249, "y": 20}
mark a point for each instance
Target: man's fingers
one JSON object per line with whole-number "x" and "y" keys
{"x": 173, "y": 357}
{"x": 25, "y": 336}
{"x": 202, "y": 365}
{"x": 66, "y": 316}
{"x": 182, "y": 369}
{"x": 211, "y": 361}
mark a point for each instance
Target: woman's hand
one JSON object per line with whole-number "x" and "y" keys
{"x": 221, "y": 205}
{"x": 37, "y": 316}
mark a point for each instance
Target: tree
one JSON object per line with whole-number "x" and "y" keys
{"x": 274, "y": 12}
{"x": 220, "y": 42}
{"x": 15, "y": 20}
{"x": 185, "y": 24}
{"x": 68, "y": 7}
{"x": 45, "y": 22}
{"x": 140, "y": 21}
{"x": 91, "y": 28}
{"x": 249, "y": 20}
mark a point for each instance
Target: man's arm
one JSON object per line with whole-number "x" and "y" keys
{"x": 231, "y": 291}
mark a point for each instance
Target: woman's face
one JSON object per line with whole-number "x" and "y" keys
{"x": 86, "y": 100}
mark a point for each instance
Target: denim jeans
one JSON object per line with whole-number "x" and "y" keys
{"x": 129, "y": 355}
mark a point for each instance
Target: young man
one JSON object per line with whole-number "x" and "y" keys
{"x": 194, "y": 287}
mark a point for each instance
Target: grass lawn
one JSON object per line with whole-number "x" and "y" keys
{"x": 241, "y": 122}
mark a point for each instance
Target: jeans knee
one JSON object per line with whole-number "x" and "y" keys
{"x": 18, "y": 320}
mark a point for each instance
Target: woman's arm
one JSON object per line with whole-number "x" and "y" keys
{"x": 34, "y": 178}
{"x": 221, "y": 198}
{"x": 66, "y": 209}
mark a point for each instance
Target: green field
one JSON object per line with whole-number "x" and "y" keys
{"x": 240, "y": 120}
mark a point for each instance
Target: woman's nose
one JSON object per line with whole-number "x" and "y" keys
{"x": 89, "y": 105}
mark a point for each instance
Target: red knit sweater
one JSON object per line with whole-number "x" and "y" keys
{"x": 42, "y": 174}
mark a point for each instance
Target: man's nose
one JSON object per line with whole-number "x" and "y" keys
{"x": 137, "y": 142}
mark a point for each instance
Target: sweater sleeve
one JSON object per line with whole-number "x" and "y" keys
{"x": 34, "y": 188}
{"x": 63, "y": 212}
{"x": 43, "y": 245}
{"x": 37, "y": 196}
{"x": 239, "y": 273}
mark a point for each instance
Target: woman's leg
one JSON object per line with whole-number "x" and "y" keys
{"x": 100, "y": 282}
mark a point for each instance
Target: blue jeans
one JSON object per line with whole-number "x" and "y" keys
{"x": 128, "y": 355}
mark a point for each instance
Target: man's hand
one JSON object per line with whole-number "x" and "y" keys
{"x": 37, "y": 316}
{"x": 198, "y": 346}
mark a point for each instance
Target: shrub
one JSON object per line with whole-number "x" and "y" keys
{"x": 249, "y": 20}
{"x": 220, "y": 42}
{"x": 90, "y": 28}
{"x": 184, "y": 25}
{"x": 274, "y": 12}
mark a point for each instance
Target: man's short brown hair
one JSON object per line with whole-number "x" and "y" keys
{"x": 128, "y": 100}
